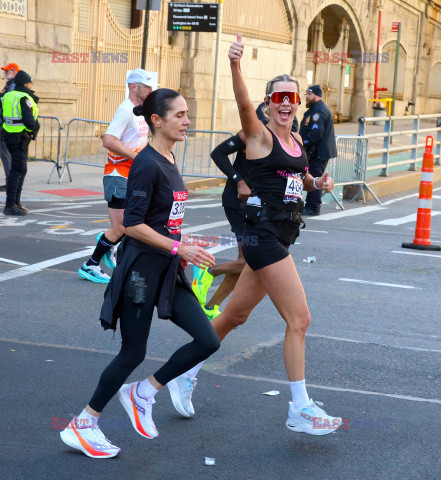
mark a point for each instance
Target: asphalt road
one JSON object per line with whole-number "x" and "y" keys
{"x": 373, "y": 354}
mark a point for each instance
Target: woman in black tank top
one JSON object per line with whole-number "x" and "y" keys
{"x": 278, "y": 173}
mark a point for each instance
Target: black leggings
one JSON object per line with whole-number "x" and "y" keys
{"x": 135, "y": 322}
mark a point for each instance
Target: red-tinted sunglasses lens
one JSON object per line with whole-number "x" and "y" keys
{"x": 279, "y": 97}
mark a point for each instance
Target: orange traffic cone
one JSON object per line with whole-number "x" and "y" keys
{"x": 424, "y": 216}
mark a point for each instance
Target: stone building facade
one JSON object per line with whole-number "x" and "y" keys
{"x": 330, "y": 42}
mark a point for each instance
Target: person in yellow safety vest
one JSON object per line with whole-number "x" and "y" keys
{"x": 125, "y": 137}
{"x": 19, "y": 117}
{"x": 10, "y": 71}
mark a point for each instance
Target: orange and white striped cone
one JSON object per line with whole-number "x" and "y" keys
{"x": 424, "y": 215}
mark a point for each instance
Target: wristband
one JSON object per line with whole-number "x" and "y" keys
{"x": 314, "y": 184}
{"x": 236, "y": 178}
{"x": 175, "y": 248}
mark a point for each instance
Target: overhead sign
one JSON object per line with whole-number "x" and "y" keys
{"x": 192, "y": 17}
{"x": 395, "y": 26}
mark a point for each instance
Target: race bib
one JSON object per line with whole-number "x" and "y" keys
{"x": 294, "y": 188}
{"x": 177, "y": 212}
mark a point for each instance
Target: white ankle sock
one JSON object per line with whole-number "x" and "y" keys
{"x": 192, "y": 373}
{"x": 86, "y": 420}
{"x": 299, "y": 395}
{"x": 146, "y": 389}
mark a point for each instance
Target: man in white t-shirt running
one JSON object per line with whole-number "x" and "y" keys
{"x": 125, "y": 137}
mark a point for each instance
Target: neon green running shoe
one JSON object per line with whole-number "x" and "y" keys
{"x": 202, "y": 281}
{"x": 211, "y": 313}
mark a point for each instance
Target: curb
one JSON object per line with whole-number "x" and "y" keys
{"x": 399, "y": 182}
{"x": 204, "y": 183}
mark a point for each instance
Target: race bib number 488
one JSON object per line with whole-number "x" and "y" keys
{"x": 177, "y": 212}
{"x": 294, "y": 188}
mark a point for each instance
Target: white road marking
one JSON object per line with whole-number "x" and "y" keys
{"x": 337, "y": 389}
{"x": 400, "y": 221}
{"x": 14, "y": 222}
{"x": 205, "y": 226}
{"x": 416, "y": 253}
{"x": 196, "y": 200}
{"x": 313, "y": 231}
{"x": 208, "y": 205}
{"x": 57, "y": 209}
{"x": 381, "y": 284}
{"x": 70, "y": 207}
{"x": 37, "y": 267}
{"x": 389, "y": 202}
{"x": 346, "y": 213}
{"x": 6, "y": 260}
{"x": 350, "y": 340}
{"x": 220, "y": 248}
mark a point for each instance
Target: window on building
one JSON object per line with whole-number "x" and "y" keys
{"x": 122, "y": 11}
{"x": 434, "y": 81}
{"x": 387, "y": 70}
{"x": 13, "y": 7}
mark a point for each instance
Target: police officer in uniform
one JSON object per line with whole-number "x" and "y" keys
{"x": 11, "y": 69}
{"x": 317, "y": 132}
{"x": 19, "y": 116}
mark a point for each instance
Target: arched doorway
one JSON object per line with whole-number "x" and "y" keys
{"x": 333, "y": 59}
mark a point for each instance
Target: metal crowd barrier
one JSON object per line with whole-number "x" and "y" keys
{"x": 84, "y": 144}
{"x": 350, "y": 165}
{"x": 193, "y": 157}
{"x": 46, "y": 147}
{"x": 416, "y": 148}
{"x": 84, "y": 147}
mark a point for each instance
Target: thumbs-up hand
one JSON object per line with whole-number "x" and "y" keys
{"x": 236, "y": 50}
{"x": 325, "y": 183}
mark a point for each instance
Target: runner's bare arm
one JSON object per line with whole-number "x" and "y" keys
{"x": 191, "y": 253}
{"x": 115, "y": 146}
{"x": 253, "y": 129}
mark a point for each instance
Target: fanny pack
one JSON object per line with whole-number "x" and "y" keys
{"x": 255, "y": 214}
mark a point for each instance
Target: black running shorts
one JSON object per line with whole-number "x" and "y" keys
{"x": 261, "y": 248}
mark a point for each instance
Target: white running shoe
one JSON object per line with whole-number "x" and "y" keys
{"x": 139, "y": 410}
{"x": 181, "y": 389}
{"x": 90, "y": 440}
{"x": 312, "y": 419}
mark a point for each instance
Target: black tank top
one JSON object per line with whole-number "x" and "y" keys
{"x": 278, "y": 180}
{"x": 229, "y": 197}
{"x": 269, "y": 176}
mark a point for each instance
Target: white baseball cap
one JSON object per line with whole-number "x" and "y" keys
{"x": 141, "y": 76}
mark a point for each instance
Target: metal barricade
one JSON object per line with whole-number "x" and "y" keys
{"x": 84, "y": 147}
{"x": 349, "y": 167}
{"x": 194, "y": 158}
{"x": 410, "y": 152}
{"x": 46, "y": 147}
{"x": 84, "y": 144}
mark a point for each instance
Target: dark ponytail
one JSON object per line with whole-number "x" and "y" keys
{"x": 158, "y": 102}
{"x": 137, "y": 110}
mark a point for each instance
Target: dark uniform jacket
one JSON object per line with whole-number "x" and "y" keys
{"x": 26, "y": 113}
{"x": 10, "y": 85}
{"x": 317, "y": 132}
